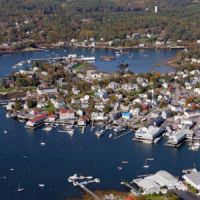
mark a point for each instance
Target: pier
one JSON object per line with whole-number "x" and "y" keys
{"x": 48, "y": 59}
{"x": 122, "y": 134}
{"x": 130, "y": 187}
{"x": 86, "y": 190}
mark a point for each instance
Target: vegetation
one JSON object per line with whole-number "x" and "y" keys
{"x": 168, "y": 196}
{"x": 49, "y": 21}
{"x": 192, "y": 189}
{"x": 7, "y": 90}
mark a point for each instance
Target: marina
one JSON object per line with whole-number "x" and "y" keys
{"x": 55, "y": 156}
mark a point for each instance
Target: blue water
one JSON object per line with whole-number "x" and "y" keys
{"x": 84, "y": 154}
{"x": 139, "y": 60}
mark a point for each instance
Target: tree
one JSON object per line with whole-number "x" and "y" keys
{"x": 17, "y": 105}
{"x": 31, "y": 103}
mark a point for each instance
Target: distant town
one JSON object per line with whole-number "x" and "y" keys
{"x": 67, "y": 92}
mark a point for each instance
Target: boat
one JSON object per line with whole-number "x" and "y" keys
{"x": 97, "y": 180}
{"x": 83, "y": 58}
{"x": 119, "y": 128}
{"x": 193, "y": 148}
{"x": 42, "y": 143}
{"x": 119, "y": 168}
{"x": 41, "y": 185}
{"x": 107, "y": 58}
{"x": 22, "y": 120}
{"x": 20, "y": 189}
{"x": 157, "y": 140}
{"x": 48, "y": 128}
{"x": 110, "y": 135}
{"x": 117, "y": 53}
{"x": 71, "y": 132}
{"x": 145, "y": 164}
{"x": 124, "y": 162}
{"x": 99, "y": 133}
{"x": 5, "y": 131}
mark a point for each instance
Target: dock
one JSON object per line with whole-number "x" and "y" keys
{"x": 88, "y": 191}
{"x": 122, "y": 134}
{"x": 129, "y": 187}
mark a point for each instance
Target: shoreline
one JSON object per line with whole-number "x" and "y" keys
{"x": 45, "y": 46}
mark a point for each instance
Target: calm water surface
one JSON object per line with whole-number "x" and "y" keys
{"x": 84, "y": 154}
{"x": 139, "y": 60}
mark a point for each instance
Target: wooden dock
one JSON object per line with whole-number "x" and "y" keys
{"x": 88, "y": 191}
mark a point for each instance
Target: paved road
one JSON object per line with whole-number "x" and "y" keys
{"x": 184, "y": 195}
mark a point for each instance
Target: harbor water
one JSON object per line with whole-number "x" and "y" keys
{"x": 139, "y": 60}
{"x": 24, "y": 160}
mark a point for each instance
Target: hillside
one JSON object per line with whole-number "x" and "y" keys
{"x": 50, "y": 21}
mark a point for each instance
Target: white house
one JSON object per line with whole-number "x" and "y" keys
{"x": 49, "y": 90}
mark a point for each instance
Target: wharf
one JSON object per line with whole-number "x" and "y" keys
{"x": 129, "y": 187}
{"x": 86, "y": 190}
{"x": 174, "y": 145}
{"x": 121, "y": 134}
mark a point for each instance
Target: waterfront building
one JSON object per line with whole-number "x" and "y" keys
{"x": 177, "y": 137}
{"x": 158, "y": 181}
{"x": 66, "y": 114}
{"x": 36, "y": 121}
{"x": 148, "y": 134}
{"x": 193, "y": 179}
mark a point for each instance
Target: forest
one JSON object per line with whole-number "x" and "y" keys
{"x": 50, "y": 21}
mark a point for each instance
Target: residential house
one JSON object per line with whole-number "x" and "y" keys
{"x": 66, "y": 114}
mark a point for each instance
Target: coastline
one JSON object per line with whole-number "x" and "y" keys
{"x": 46, "y": 46}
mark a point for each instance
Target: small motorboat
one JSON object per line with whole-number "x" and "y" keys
{"x": 20, "y": 189}
{"x": 41, "y": 185}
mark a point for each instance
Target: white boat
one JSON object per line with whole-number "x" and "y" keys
{"x": 145, "y": 164}
{"x": 124, "y": 162}
{"x": 97, "y": 180}
{"x": 42, "y": 143}
{"x": 5, "y": 131}
{"x": 110, "y": 135}
{"x": 99, "y": 133}
{"x": 20, "y": 189}
{"x": 41, "y": 185}
{"x": 48, "y": 128}
{"x": 92, "y": 58}
{"x": 73, "y": 178}
{"x": 157, "y": 140}
{"x": 119, "y": 168}
{"x": 70, "y": 132}
{"x": 117, "y": 53}
{"x": 194, "y": 148}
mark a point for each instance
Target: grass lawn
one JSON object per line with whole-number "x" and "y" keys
{"x": 7, "y": 90}
{"x": 192, "y": 189}
{"x": 82, "y": 66}
{"x": 168, "y": 196}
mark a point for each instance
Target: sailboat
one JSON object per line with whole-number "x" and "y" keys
{"x": 42, "y": 143}
{"x": 20, "y": 189}
{"x": 145, "y": 164}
